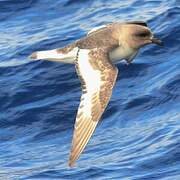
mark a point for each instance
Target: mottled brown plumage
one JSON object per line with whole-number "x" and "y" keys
{"x": 107, "y": 37}
{"x": 85, "y": 124}
{"x": 94, "y": 57}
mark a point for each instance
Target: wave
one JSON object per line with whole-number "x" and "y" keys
{"x": 14, "y": 62}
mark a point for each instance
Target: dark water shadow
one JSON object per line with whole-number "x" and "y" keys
{"x": 71, "y": 2}
{"x": 132, "y": 70}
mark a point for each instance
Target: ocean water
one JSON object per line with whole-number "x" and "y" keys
{"x": 139, "y": 135}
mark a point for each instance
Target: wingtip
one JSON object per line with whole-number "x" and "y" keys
{"x": 33, "y": 55}
{"x": 71, "y": 163}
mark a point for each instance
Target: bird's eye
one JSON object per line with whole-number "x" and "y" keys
{"x": 142, "y": 34}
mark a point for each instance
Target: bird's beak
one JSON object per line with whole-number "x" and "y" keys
{"x": 156, "y": 41}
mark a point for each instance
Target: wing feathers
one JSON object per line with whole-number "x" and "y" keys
{"x": 96, "y": 79}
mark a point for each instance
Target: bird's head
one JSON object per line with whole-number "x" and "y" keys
{"x": 137, "y": 35}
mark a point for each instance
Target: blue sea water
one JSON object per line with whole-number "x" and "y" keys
{"x": 139, "y": 135}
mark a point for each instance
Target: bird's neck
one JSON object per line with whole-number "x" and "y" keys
{"x": 121, "y": 53}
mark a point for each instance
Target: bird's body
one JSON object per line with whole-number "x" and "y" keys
{"x": 95, "y": 57}
{"x": 107, "y": 37}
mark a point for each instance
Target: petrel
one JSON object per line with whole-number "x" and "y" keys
{"x": 95, "y": 56}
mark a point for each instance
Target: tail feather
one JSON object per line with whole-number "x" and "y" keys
{"x": 56, "y": 55}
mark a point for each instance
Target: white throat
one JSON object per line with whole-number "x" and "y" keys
{"x": 121, "y": 53}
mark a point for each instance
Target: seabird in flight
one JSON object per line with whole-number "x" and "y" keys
{"x": 95, "y": 56}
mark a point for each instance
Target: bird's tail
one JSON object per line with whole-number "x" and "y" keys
{"x": 65, "y": 55}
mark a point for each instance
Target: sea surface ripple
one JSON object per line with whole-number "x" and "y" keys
{"x": 139, "y": 136}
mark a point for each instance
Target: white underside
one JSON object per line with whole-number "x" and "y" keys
{"x": 121, "y": 53}
{"x": 54, "y": 55}
{"x": 91, "y": 78}
{"x": 116, "y": 55}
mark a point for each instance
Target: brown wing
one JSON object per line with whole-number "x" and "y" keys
{"x": 97, "y": 77}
